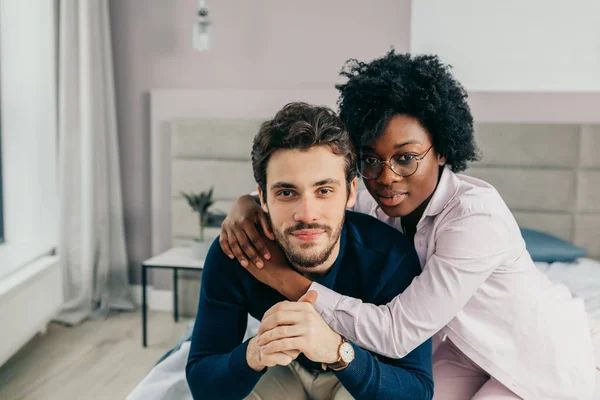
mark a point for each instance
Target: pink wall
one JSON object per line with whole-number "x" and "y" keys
{"x": 269, "y": 44}
{"x": 543, "y": 107}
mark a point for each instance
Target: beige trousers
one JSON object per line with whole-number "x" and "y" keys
{"x": 293, "y": 382}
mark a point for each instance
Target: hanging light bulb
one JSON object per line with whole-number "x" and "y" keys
{"x": 201, "y": 31}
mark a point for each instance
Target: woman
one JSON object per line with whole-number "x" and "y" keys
{"x": 502, "y": 329}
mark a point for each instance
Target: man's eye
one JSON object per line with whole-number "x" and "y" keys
{"x": 325, "y": 191}
{"x": 285, "y": 193}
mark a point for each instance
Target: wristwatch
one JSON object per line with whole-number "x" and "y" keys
{"x": 345, "y": 356}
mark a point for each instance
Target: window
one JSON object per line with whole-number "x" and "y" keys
{"x": 1, "y": 207}
{"x": 29, "y": 129}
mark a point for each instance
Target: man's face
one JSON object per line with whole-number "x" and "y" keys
{"x": 306, "y": 201}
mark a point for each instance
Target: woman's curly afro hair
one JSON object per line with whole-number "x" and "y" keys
{"x": 419, "y": 86}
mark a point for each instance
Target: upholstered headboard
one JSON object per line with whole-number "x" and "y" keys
{"x": 548, "y": 174}
{"x": 209, "y": 153}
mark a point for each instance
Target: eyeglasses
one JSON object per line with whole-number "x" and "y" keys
{"x": 403, "y": 165}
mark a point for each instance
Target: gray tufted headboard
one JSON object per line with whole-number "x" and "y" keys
{"x": 548, "y": 174}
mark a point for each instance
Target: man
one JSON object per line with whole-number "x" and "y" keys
{"x": 305, "y": 167}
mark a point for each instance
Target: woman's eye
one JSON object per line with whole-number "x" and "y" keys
{"x": 405, "y": 158}
{"x": 370, "y": 160}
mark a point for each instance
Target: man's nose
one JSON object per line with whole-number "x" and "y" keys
{"x": 307, "y": 210}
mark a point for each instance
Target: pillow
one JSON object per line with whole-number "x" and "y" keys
{"x": 545, "y": 247}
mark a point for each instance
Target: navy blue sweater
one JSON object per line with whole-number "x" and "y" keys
{"x": 375, "y": 263}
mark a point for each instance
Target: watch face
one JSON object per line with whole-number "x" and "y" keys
{"x": 347, "y": 352}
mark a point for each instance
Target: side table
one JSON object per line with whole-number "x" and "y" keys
{"x": 175, "y": 259}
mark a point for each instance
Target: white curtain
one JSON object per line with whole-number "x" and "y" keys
{"x": 92, "y": 242}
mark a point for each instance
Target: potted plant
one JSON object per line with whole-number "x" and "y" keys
{"x": 200, "y": 203}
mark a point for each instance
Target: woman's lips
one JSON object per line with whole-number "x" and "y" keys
{"x": 392, "y": 199}
{"x": 307, "y": 235}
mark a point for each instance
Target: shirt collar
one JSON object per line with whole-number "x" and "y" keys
{"x": 445, "y": 191}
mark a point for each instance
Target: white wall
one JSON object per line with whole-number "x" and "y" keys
{"x": 513, "y": 45}
{"x": 28, "y": 92}
{"x": 259, "y": 44}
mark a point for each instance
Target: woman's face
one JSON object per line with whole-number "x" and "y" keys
{"x": 404, "y": 138}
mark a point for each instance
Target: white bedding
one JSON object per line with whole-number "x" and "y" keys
{"x": 167, "y": 381}
{"x": 581, "y": 277}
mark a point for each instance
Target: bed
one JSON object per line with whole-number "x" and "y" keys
{"x": 166, "y": 380}
{"x": 582, "y": 277}
{"x": 196, "y": 131}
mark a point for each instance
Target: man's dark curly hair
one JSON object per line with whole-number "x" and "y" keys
{"x": 419, "y": 86}
{"x": 301, "y": 126}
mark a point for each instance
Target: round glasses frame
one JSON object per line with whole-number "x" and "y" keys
{"x": 388, "y": 162}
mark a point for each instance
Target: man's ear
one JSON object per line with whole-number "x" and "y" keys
{"x": 352, "y": 195}
{"x": 263, "y": 203}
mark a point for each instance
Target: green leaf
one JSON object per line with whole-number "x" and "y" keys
{"x": 199, "y": 202}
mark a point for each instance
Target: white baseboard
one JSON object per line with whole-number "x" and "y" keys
{"x": 158, "y": 300}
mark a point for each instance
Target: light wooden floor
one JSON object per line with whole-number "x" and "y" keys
{"x": 101, "y": 359}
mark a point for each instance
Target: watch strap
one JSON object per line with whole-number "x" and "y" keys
{"x": 340, "y": 364}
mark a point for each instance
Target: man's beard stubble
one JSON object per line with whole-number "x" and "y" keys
{"x": 299, "y": 256}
